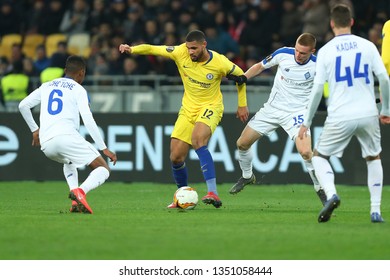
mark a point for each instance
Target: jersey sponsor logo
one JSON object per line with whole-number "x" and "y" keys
{"x": 209, "y": 76}
{"x": 201, "y": 84}
{"x": 296, "y": 83}
{"x": 170, "y": 49}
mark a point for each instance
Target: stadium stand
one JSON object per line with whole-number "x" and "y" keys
{"x": 30, "y": 43}
{"x": 6, "y": 44}
{"x": 79, "y": 44}
{"x": 52, "y": 41}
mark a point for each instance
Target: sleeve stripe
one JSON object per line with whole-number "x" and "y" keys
{"x": 231, "y": 71}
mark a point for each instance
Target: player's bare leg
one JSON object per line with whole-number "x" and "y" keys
{"x": 244, "y": 143}
{"x": 304, "y": 149}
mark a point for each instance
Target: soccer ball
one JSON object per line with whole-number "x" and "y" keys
{"x": 186, "y": 198}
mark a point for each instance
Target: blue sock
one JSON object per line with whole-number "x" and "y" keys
{"x": 207, "y": 167}
{"x": 212, "y": 185}
{"x": 180, "y": 174}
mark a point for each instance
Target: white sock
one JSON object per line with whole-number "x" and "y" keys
{"x": 310, "y": 169}
{"x": 245, "y": 161}
{"x": 375, "y": 183}
{"x": 97, "y": 177}
{"x": 324, "y": 175}
{"x": 71, "y": 176}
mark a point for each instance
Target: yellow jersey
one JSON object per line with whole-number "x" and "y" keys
{"x": 201, "y": 80}
{"x": 386, "y": 45}
{"x": 14, "y": 86}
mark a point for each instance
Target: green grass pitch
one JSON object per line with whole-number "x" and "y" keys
{"x": 131, "y": 222}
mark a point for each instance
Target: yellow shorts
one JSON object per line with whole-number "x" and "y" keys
{"x": 209, "y": 115}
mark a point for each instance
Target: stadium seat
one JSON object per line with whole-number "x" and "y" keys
{"x": 30, "y": 43}
{"x": 10, "y": 39}
{"x": 52, "y": 41}
{"x": 85, "y": 52}
{"x": 6, "y": 44}
{"x": 78, "y": 44}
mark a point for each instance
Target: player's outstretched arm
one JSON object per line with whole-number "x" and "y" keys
{"x": 241, "y": 79}
{"x": 253, "y": 71}
{"x": 124, "y": 48}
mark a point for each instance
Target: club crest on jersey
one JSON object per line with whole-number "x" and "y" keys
{"x": 307, "y": 75}
{"x": 170, "y": 49}
{"x": 209, "y": 76}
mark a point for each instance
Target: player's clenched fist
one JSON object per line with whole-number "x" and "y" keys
{"x": 124, "y": 48}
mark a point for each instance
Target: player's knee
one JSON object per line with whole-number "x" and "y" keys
{"x": 106, "y": 167}
{"x": 103, "y": 171}
{"x": 242, "y": 146}
{"x": 318, "y": 154}
{"x": 106, "y": 172}
{"x": 371, "y": 158}
{"x": 176, "y": 159}
{"x": 197, "y": 143}
{"x": 306, "y": 154}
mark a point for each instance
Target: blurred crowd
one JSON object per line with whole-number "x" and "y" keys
{"x": 243, "y": 30}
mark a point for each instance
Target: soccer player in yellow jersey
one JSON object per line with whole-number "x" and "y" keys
{"x": 201, "y": 71}
{"x": 386, "y": 58}
{"x": 386, "y": 46}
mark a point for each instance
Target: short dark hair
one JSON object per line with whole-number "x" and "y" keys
{"x": 341, "y": 15}
{"x": 307, "y": 39}
{"x": 74, "y": 64}
{"x": 195, "y": 35}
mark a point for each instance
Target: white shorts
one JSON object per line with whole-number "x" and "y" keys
{"x": 268, "y": 119}
{"x": 70, "y": 149}
{"x": 336, "y": 136}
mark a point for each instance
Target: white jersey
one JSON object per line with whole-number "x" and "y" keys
{"x": 62, "y": 102}
{"x": 293, "y": 81}
{"x": 347, "y": 63}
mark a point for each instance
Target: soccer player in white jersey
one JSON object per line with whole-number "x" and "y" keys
{"x": 62, "y": 102}
{"x": 284, "y": 108}
{"x": 347, "y": 63}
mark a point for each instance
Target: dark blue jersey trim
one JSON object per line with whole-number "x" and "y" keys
{"x": 233, "y": 68}
{"x": 211, "y": 57}
{"x": 290, "y": 51}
